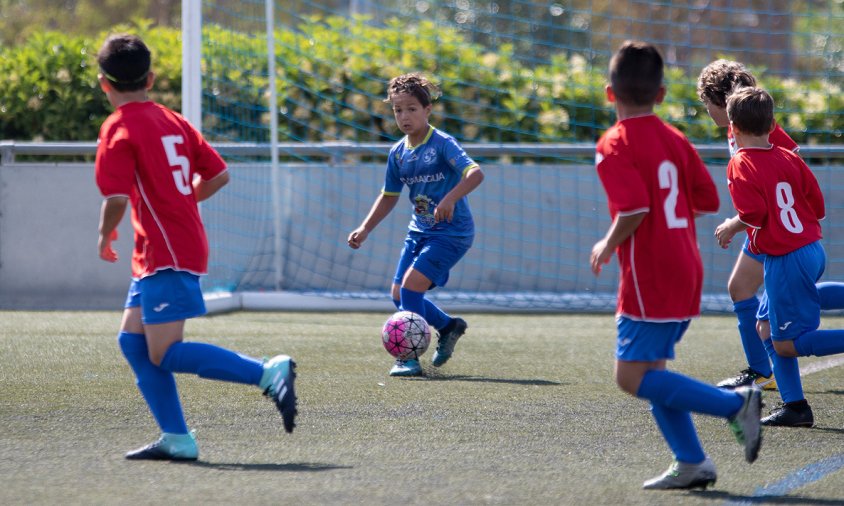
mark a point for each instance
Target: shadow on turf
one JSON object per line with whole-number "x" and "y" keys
{"x": 236, "y": 466}
{"x": 479, "y": 379}
{"x": 718, "y": 495}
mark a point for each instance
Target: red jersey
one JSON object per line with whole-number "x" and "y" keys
{"x": 777, "y": 137}
{"x": 776, "y": 195}
{"x": 151, "y": 154}
{"x": 648, "y": 166}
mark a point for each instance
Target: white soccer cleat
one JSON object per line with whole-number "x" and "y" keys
{"x": 746, "y": 425}
{"x": 684, "y": 476}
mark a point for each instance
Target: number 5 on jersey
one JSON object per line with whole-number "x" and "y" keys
{"x": 182, "y": 175}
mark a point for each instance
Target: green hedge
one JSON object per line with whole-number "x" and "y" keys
{"x": 331, "y": 79}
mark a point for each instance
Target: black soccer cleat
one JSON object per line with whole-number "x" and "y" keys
{"x": 447, "y": 341}
{"x": 747, "y": 378}
{"x": 787, "y": 415}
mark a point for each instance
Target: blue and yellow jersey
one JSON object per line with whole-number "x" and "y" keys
{"x": 430, "y": 170}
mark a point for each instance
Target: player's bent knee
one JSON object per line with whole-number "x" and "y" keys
{"x": 627, "y": 383}
{"x": 786, "y": 349}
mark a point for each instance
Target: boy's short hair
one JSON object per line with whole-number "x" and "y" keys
{"x": 124, "y": 61}
{"x": 751, "y": 110}
{"x": 636, "y": 73}
{"x": 413, "y": 84}
{"x": 720, "y": 78}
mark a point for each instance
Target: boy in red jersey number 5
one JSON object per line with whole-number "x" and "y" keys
{"x": 656, "y": 185}
{"x": 152, "y": 157}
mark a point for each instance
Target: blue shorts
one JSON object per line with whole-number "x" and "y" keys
{"x": 647, "y": 341}
{"x": 166, "y": 296}
{"x": 795, "y": 306}
{"x": 432, "y": 255}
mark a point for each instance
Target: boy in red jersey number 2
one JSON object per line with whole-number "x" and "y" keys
{"x": 152, "y": 157}
{"x": 656, "y": 185}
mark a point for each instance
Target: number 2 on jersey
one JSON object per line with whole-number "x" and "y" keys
{"x": 668, "y": 180}
{"x": 182, "y": 175}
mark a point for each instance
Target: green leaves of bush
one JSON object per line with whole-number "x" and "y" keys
{"x": 331, "y": 79}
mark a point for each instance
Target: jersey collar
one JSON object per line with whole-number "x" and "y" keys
{"x": 427, "y": 136}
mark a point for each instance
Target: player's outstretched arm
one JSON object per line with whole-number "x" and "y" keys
{"x": 111, "y": 213}
{"x": 383, "y": 205}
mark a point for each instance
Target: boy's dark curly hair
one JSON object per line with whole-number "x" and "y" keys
{"x": 720, "y": 78}
{"x": 413, "y": 84}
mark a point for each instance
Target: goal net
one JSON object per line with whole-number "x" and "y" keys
{"x": 523, "y": 91}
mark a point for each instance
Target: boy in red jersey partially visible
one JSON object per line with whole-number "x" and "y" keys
{"x": 716, "y": 82}
{"x": 656, "y": 186}
{"x": 152, "y": 157}
{"x": 779, "y": 200}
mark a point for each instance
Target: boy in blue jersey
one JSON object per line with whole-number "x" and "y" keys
{"x": 439, "y": 175}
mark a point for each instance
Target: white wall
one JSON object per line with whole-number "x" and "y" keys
{"x": 48, "y": 241}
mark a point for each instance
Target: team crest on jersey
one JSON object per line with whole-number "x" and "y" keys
{"x": 429, "y": 156}
{"x": 423, "y": 208}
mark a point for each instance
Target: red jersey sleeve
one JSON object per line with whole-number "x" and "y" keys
{"x": 814, "y": 195}
{"x": 626, "y": 191}
{"x": 115, "y": 162}
{"x": 207, "y": 162}
{"x": 747, "y": 196}
{"x": 704, "y": 193}
{"x": 778, "y": 137}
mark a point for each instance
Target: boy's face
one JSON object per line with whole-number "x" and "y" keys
{"x": 718, "y": 114}
{"x": 411, "y": 116}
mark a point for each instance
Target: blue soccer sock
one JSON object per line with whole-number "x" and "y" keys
{"x": 754, "y": 350}
{"x": 683, "y": 393}
{"x": 435, "y": 316}
{"x": 787, "y": 374}
{"x": 212, "y": 362}
{"x": 831, "y": 295}
{"x": 157, "y": 386}
{"x": 820, "y": 343}
{"x": 679, "y": 432}
{"x": 413, "y": 301}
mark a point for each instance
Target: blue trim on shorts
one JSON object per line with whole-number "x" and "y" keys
{"x": 432, "y": 255}
{"x": 639, "y": 341}
{"x": 759, "y": 257}
{"x": 166, "y": 296}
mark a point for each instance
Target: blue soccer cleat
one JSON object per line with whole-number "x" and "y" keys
{"x": 168, "y": 447}
{"x": 446, "y": 342}
{"x": 277, "y": 383}
{"x": 409, "y": 367}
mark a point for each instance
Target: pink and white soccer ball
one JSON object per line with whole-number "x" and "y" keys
{"x": 406, "y": 335}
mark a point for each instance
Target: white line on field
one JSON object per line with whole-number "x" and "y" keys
{"x": 821, "y": 365}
